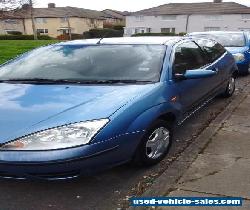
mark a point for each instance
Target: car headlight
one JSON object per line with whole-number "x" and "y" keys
{"x": 58, "y": 138}
{"x": 239, "y": 57}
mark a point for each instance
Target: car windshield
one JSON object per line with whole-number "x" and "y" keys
{"x": 82, "y": 63}
{"x": 227, "y": 39}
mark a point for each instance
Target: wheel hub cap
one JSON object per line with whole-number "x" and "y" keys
{"x": 157, "y": 143}
{"x": 231, "y": 85}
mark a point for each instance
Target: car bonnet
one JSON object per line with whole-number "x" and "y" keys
{"x": 25, "y": 108}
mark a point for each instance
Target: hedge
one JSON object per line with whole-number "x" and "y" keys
{"x": 99, "y": 33}
{"x": 23, "y": 37}
{"x": 159, "y": 34}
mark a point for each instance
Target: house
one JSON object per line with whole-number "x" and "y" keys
{"x": 52, "y": 21}
{"x": 189, "y": 17}
{"x": 114, "y": 17}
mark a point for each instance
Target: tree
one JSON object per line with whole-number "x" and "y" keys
{"x": 31, "y": 4}
{"x": 7, "y": 5}
{"x": 13, "y": 8}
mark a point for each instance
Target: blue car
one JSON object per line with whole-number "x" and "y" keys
{"x": 237, "y": 43}
{"x": 78, "y": 107}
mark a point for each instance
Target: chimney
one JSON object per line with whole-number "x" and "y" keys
{"x": 217, "y": 1}
{"x": 51, "y": 5}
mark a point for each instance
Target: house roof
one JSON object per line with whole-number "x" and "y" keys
{"x": 11, "y": 14}
{"x": 68, "y": 12}
{"x": 195, "y": 8}
{"x": 114, "y": 14}
{"x": 57, "y": 12}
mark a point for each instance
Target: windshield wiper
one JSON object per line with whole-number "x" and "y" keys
{"x": 70, "y": 81}
{"x": 115, "y": 81}
{"x": 233, "y": 46}
{"x": 41, "y": 81}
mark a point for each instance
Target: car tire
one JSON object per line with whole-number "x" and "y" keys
{"x": 230, "y": 87}
{"x": 155, "y": 144}
{"x": 248, "y": 70}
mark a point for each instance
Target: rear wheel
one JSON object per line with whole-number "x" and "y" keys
{"x": 155, "y": 144}
{"x": 230, "y": 87}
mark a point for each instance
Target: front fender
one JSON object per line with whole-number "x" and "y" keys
{"x": 144, "y": 120}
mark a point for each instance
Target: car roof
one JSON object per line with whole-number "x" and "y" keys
{"x": 217, "y": 32}
{"x": 163, "y": 40}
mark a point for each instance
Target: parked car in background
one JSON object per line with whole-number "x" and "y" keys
{"x": 237, "y": 43}
{"x": 78, "y": 107}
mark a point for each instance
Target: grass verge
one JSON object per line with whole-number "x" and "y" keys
{"x": 11, "y": 48}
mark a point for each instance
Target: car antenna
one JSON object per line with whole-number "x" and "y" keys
{"x": 104, "y": 36}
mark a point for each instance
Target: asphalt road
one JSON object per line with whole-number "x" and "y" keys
{"x": 108, "y": 190}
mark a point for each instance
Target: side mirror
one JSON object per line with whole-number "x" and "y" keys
{"x": 195, "y": 74}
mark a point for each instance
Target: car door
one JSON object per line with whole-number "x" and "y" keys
{"x": 189, "y": 56}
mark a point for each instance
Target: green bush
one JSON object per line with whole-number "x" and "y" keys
{"x": 182, "y": 34}
{"x": 23, "y": 37}
{"x": 77, "y": 36}
{"x": 100, "y": 33}
{"x": 118, "y": 27}
{"x": 159, "y": 34}
{"x": 14, "y": 33}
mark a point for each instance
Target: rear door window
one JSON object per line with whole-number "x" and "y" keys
{"x": 188, "y": 56}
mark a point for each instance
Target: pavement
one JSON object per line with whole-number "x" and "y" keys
{"x": 217, "y": 164}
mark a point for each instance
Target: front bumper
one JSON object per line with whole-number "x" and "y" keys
{"x": 68, "y": 163}
{"x": 243, "y": 66}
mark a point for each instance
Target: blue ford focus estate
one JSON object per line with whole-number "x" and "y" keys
{"x": 78, "y": 107}
{"x": 236, "y": 43}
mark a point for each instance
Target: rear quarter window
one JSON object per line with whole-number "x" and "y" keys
{"x": 212, "y": 49}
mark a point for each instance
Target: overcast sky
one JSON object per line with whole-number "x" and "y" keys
{"x": 123, "y": 5}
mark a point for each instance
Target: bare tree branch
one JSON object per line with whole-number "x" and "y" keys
{"x": 18, "y": 8}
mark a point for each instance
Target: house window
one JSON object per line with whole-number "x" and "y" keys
{"x": 244, "y": 29}
{"x": 168, "y": 17}
{"x": 167, "y": 30}
{"x": 12, "y": 32}
{"x": 212, "y": 29}
{"x": 128, "y": 31}
{"x": 41, "y": 20}
{"x": 42, "y": 31}
{"x": 92, "y": 21}
{"x": 10, "y": 21}
{"x": 142, "y": 30}
{"x": 65, "y": 31}
{"x": 63, "y": 19}
{"x": 139, "y": 18}
{"x": 213, "y": 17}
{"x": 245, "y": 16}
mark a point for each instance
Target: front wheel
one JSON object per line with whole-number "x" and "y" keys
{"x": 155, "y": 144}
{"x": 230, "y": 87}
{"x": 248, "y": 70}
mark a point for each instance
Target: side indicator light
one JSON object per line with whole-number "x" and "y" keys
{"x": 174, "y": 99}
